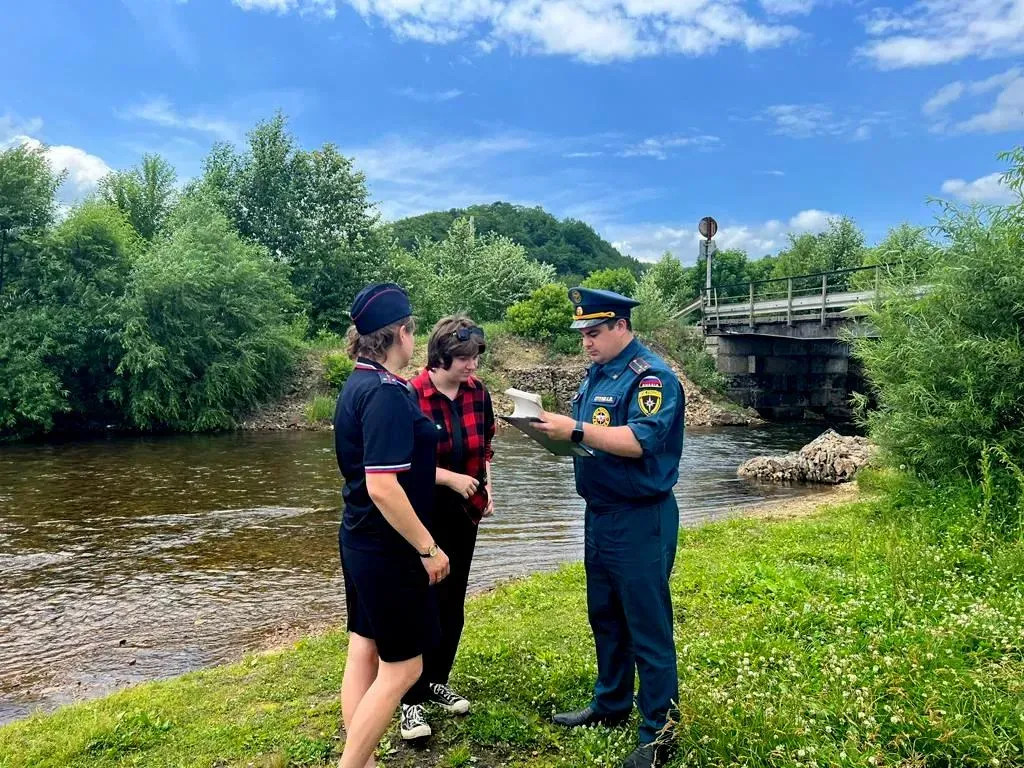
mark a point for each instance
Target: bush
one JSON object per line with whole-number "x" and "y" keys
{"x": 208, "y": 332}
{"x": 320, "y": 409}
{"x": 653, "y": 312}
{"x": 544, "y": 316}
{"x": 619, "y": 280}
{"x": 948, "y": 369}
{"x": 337, "y": 368}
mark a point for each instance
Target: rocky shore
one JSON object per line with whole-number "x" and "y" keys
{"x": 830, "y": 458}
{"x": 518, "y": 365}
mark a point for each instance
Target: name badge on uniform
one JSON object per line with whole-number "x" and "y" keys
{"x": 606, "y": 399}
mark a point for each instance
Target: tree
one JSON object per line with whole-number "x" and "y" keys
{"x": 907, "y": 255}
{"x": 619, "y": 280}
{"x": 654, "y": 310}
{"x": 841, "y": 246}
{"x": 28, "y": 188}
{"x": 209, "y": 329}
{"x": 571, "y": 246}
{"x": 145, "y": 194}
{"x": 311, "y": 210}
{"x": 481, "y": 276}
{"x": 671, "y": 280}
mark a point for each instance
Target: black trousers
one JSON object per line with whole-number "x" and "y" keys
{"x": 455, "y": 533}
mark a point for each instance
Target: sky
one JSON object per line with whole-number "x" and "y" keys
{"x": 637, "y": 116}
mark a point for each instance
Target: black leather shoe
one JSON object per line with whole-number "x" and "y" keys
{"x": 648, "y": 756}
{"x": 587, "y": 716}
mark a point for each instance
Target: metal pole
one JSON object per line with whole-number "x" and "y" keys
{"x": 707, "y": 258}
{"x": 789, "y": 302}
{"x": 824, "y": 293}
{"x": 751, "y": 305}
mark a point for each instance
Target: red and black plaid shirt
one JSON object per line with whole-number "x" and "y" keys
{"x": 465, "y": 432}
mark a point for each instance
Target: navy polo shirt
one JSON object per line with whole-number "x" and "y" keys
{"x": 379, "y": 428}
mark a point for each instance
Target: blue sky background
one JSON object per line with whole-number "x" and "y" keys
{"x": 639, "y": 116}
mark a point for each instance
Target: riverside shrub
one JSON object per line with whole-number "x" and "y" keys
{"x": 948, "y": 369}
{"x": 337, "y": 368}
{"x": 544, "y": 316}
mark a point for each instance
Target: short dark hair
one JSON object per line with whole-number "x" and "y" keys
{"x": 375, "y": 346}
{"x": 444, "y": 346}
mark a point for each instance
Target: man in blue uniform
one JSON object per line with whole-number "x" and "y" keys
{"x": 629, "y": 409}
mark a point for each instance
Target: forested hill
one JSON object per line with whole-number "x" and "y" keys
{"x": 570, "y": 246}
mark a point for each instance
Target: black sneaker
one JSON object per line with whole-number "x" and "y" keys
{"x": 414, "y": 725}
{"x": 448, "y": 699}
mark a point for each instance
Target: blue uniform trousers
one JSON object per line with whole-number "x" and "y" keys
{"x": 628, "y": 558}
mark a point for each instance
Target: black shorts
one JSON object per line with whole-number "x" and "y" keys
{"x": 390, "y": 601}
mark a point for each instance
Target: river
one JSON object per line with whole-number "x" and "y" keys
{"x": 126, "y": 560}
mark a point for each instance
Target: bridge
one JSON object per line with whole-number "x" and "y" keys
{"x": 779, "y": 342}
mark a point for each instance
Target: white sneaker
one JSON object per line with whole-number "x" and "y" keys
{"x": 448, "y": 699}
{"x": 414, "y": 725}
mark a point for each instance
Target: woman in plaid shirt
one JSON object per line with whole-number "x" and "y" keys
{"x": 460, "y": 407}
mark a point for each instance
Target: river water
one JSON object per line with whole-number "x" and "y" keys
{"x": 125, "y": 560}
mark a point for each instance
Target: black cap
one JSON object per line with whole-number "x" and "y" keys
{"x": 592, "y": 306}
{"x": 379, "y": 305}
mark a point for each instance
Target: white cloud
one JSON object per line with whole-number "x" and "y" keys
{"x": 781, "y": 7}
{"x": 325, "y": 8}
{"x": 594, "y": 31}
{"x": 942, "y": 98}
{"x": 771, "y": 173}
{"x": 649, "y": 241}
{"x": 159, "y": 111}
{"x": 661, "y": 147}
{"x": 430, "y": 96}
{"x": 1005, "y": 114}
{"x": 84, "y": 170}
{"x": 987, "y": 189}
{"x": 574, "y": 155}
{"x": 933, "y": 32}
{"x": 412, "y": 177}
{"x": 805, "y": 121}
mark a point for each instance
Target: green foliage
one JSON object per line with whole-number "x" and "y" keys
{"x": 654, "y": 310}
{"x": 320, "y": 409}
{"x": 545, "y": 316}
{"x": 908, "y": 256}
{"x": 337, "y": 367}
{"x": 948, "y": 369}
{"x": 61, "y": 338}
{"x": 27, "y": 203}
{"x": 311, "y": 210}
{"x": 619, "y": 280}
{"x": 570, "y": 246}
{"x": 480, "y": 276}
{"x": 145, "y": 194}
{"x": 671, "y": 279}
{"x": 841, "y": 246}
{"x": 207, "y": 332}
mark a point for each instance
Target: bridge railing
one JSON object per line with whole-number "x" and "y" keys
{"x": 798, "y": 297}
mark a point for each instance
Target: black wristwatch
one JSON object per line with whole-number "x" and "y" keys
{"x": 577, "y": 433}
{"x": 430, "y": 552}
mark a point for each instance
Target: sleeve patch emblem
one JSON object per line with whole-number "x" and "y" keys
{"x": 601, "y": 417}
{"x": 649, "y": 401}
{"x": 650, "y": 382}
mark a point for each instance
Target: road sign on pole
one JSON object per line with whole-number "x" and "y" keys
{"x": 707, "y": 228}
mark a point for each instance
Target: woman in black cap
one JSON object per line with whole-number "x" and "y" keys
{"x": 386, "y": 449}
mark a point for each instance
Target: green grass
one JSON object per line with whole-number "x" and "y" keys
{"x": 887, "y": 632}
{"x": 321, "y": 408}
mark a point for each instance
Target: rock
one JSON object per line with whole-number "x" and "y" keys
{"x": 830, "y": 458}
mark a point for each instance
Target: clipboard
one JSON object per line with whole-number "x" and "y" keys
{"x": 527, "y": 413}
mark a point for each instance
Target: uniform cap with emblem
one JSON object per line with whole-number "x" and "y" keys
{"x": 379, "y": 305}
{"x": 592, "y": 306}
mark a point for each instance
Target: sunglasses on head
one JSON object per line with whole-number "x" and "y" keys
{"x": 465, "y": 334}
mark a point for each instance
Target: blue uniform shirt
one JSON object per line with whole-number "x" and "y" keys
{"x": 637, "y": 389}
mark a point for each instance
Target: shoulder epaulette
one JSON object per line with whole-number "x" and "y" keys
{"x": 389, "y": 378}
{"x": 639, "y": 365}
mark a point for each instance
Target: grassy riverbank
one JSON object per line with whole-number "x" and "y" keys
{"x": 887, "y": 631}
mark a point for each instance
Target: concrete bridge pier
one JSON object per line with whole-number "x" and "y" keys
{"x": 787, "y": 378}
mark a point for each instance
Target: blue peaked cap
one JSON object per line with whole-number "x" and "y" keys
{"x": 592, "y": 306}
